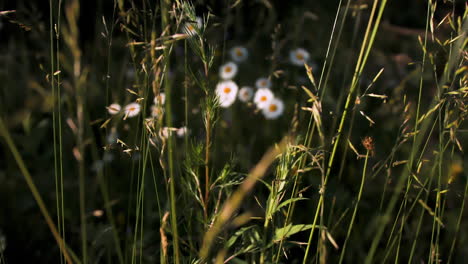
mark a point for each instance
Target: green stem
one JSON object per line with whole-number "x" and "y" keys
{"x": 207, "y": 160}
{"x": 366, "y": 46}
{"x": 54, "y": 122}
{"x": 363, "y": 179}
{"x": 170, "y": 145}
{"x": 35, "y": 192}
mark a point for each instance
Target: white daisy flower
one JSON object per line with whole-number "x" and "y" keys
{"x": 226, "y": 92}
{"x": 160, "y": 99}
{"x": 274, "y": 109}
{"x": 245, "y": 94}
{"x": 239, "y": 54}
{"x": 262, "y": 97}
{"x": 132, "y": 110}
{"x": 114, "y": 109}
{"x": 263, "y": 83}
{"x": 299, "y": 56}
{"x": 191, "y": 28}
{"x": 228, "y": 71}
{"x": 181, "y": 131}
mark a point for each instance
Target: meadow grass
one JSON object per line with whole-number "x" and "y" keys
{"x": 139, "y": 142}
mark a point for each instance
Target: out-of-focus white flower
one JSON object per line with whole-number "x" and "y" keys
{"x": 114, "y": 109}
{"x": 181, "y": 131}
{"x": 228, "y": 71}
{"x": 132, "y": 110}
{"x": 263, "y": 83}
{"x": 245, "y": 94}
{"x": 299, "y": 56}
{"x": 98, "y": 213}
{"x": 165, "y": 132}
{"x": 191, "y": 28}
{"x": 262, "y": 97}
{"x": 160, "y": 99}
{"x": 156, "y": 110}
{"x": 226, "y": 92}
{"x": 239, "y": 54}
{"x": 274, "y": 109}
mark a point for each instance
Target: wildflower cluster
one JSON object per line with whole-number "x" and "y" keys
{"x": 129, "y": 111}
{"x": 134, "y": 108}
{"x": 263, "y": 97}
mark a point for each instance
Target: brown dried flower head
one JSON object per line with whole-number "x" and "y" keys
{"x": 368, "y": 143}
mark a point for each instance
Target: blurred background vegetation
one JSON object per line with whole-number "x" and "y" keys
{"x": 64, "y": 61}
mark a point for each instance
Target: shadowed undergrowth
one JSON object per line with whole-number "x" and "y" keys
{"x": 233, "y": 132}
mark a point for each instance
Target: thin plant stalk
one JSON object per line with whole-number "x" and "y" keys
{"x": 351, "y": 223}
{"x": 35, "y": 192}
{"x": 365, "y": 49}
{"x": 57, "y": 158}
{"x": 170, "y": 144}
{"x": 59, "y": 110}
{"x": 71, "y": 37}
{"x": 457, "y": 229}
{"x": 207, "y": 160}
{"x": 417, "y": 141}
{"x": 311, "y": 124}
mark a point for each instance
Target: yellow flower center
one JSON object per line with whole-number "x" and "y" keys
{"x": 299, "y": 56}
{"x": 228, "y": 69}
{"x": 131, "y": 109}
{"x": 273, "y": 108}
{"x": 227, "y": 90}
{"x": 263, "y": 98}
{"x": 239, "y": 52}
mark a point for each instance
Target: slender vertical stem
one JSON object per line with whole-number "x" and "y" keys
{"x": 59, "y": 109}
{"x": 208, "y": 124}
{"x": 207, "y": 160}
{"x": 366, "y": 46}
{"x": 35, "y": 192}
{"x": 170, "y": 144}
{"x": 54, "y": 121}
{"x": 363, "y": 179}
{"x": 459, "y": 220}
{"x": 72, "y": 11}
{"x": 186, "y": 96}
{"x": 81, "y": 172}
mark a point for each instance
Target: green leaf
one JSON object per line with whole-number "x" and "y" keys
{"x": 289, "y": 230}
{"x": 288, "y": 202}
{"x": 236, "y": 235}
